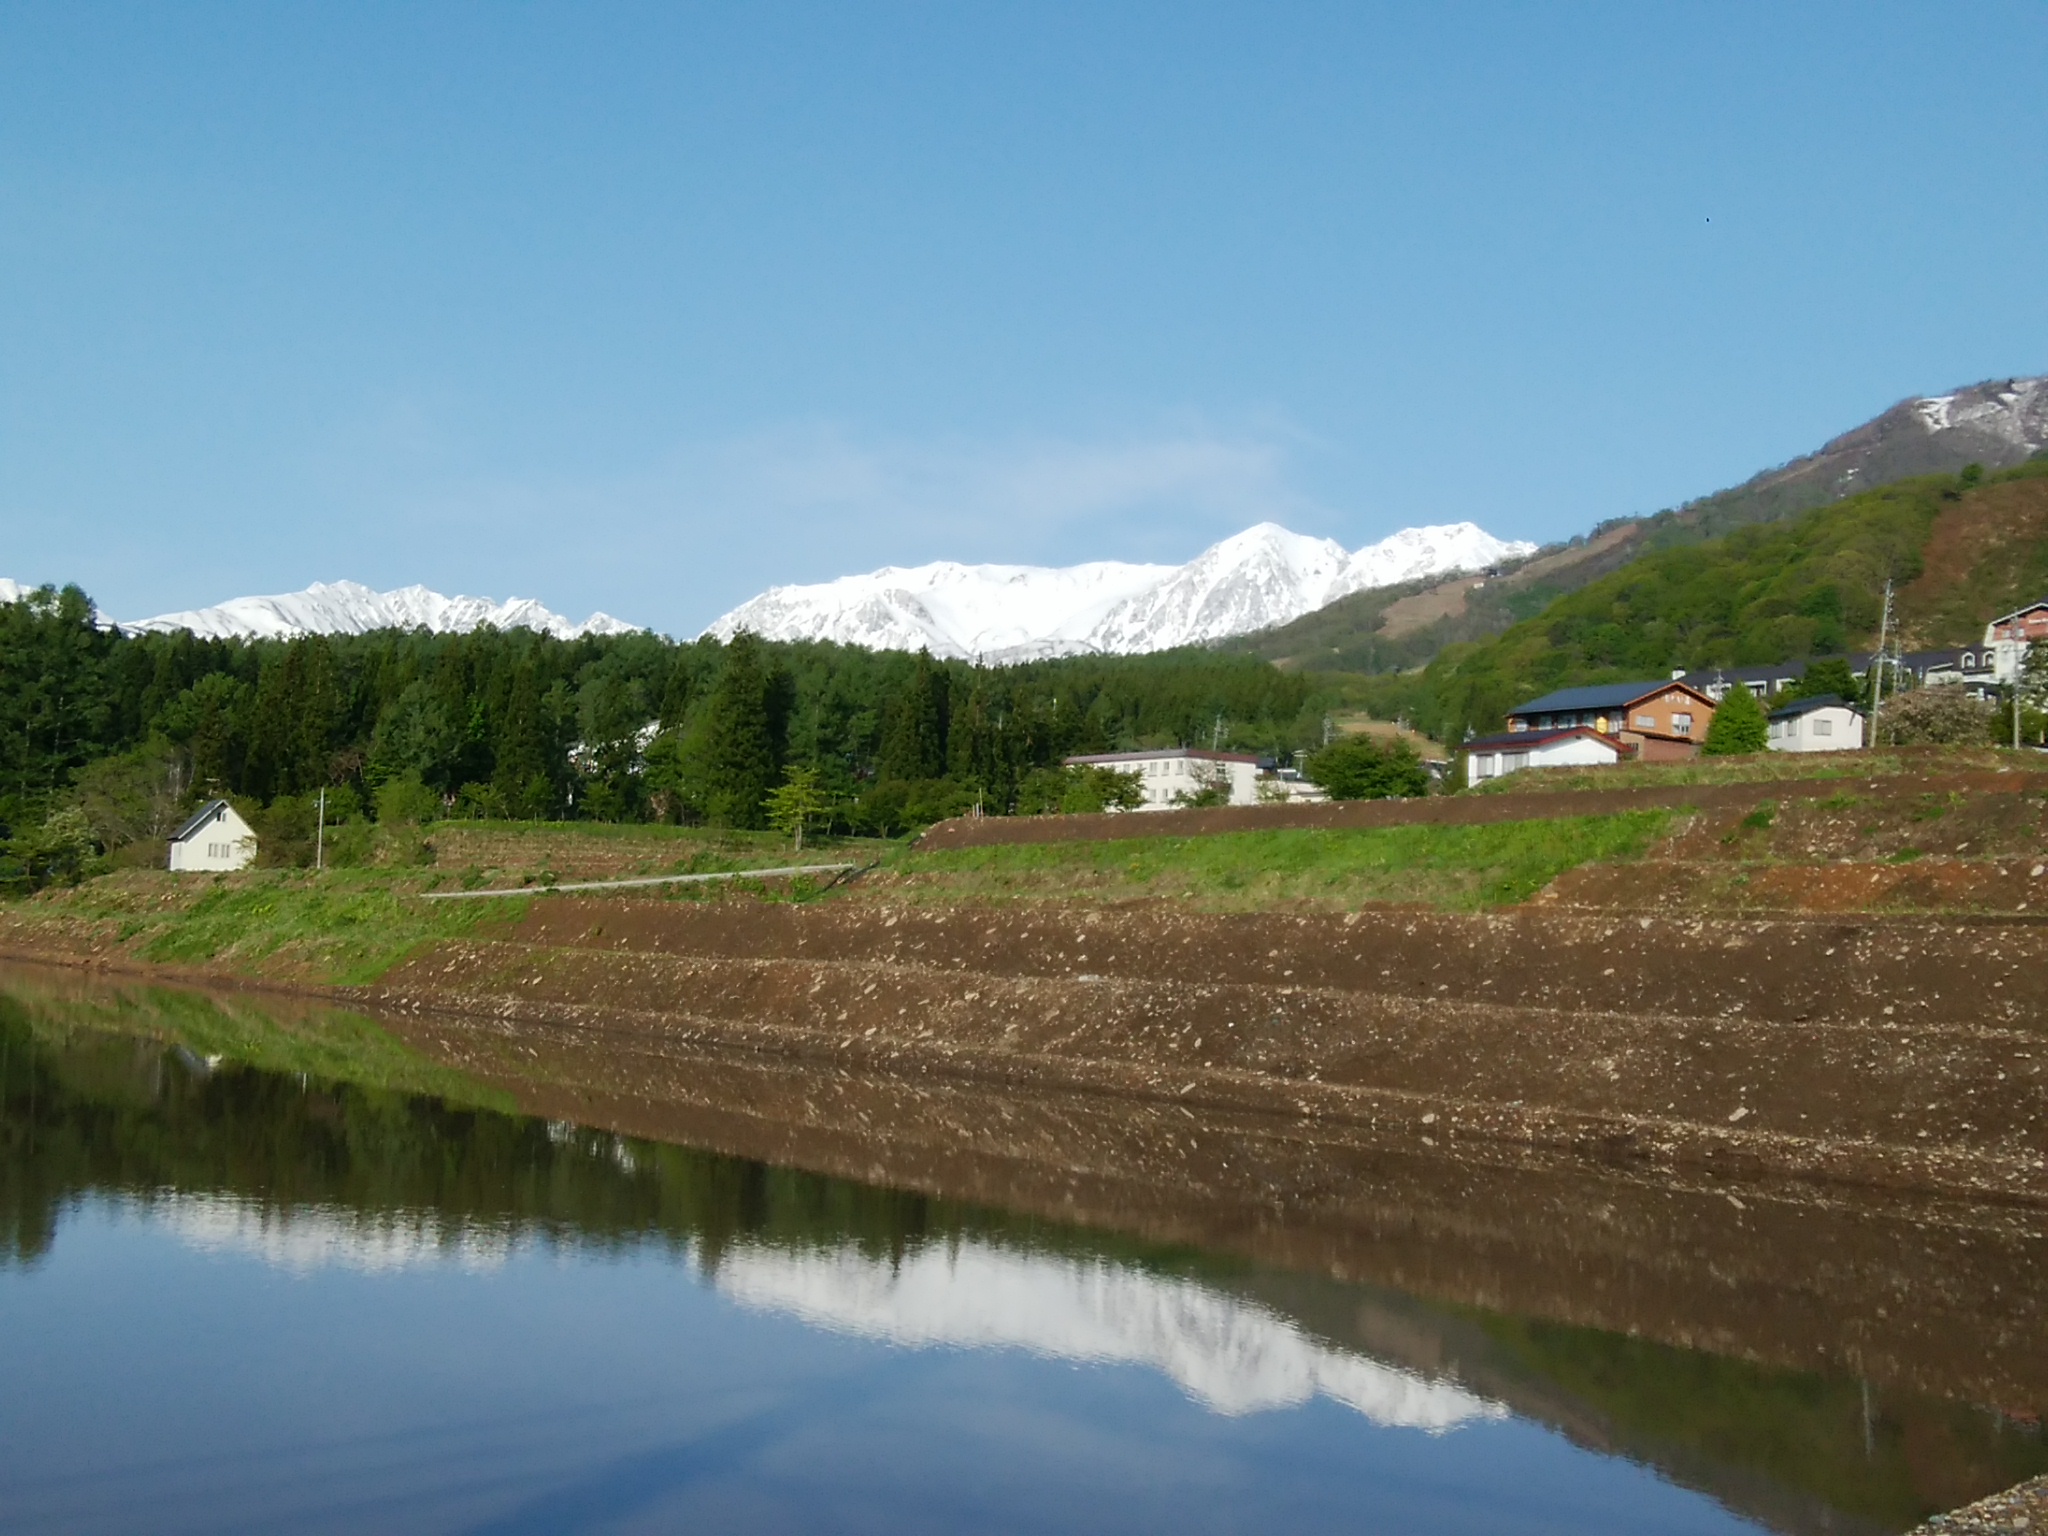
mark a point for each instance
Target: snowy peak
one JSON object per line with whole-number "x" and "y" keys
{"x": 1250, "y": 581}
{"x": 1244, "y": 583}
{"x": 349, "y": 608}
{"x": 1005, "y": 611}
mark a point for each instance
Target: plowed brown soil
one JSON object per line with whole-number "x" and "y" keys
{"x": 1902, "y": 1054}
{"x": 1900, "y": 1289}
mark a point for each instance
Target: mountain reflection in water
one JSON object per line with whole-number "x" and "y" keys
{"x": 1231, "y": 1355}
{"x": 442, "y": 1256}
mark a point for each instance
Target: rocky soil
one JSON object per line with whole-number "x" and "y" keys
{"x": 1880, "y": 1052}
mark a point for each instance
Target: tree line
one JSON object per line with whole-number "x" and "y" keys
{"x": 133, "y": 729}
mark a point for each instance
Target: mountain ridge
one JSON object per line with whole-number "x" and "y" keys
{"x": 1005, "y": 613}
{"x": 1999, "y": 424}
{"x": 350, "y": 608}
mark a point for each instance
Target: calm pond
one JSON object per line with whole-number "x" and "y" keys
{"x": 270, "y": 1268}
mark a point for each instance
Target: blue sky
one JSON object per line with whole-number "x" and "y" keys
{"x": 648, "y": 307}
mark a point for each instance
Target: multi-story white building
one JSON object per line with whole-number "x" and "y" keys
{"x": 1173, "y": 775}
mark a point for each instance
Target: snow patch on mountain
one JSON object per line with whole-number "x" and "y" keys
{"x": 1250, "y": 581}
{"x": 349, "y": 608}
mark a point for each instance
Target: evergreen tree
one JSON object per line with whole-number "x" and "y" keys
{"x": 1822, "y": 678}
{"x": 736, "y": 747}
{"x": 915, "y": 744}
{"x": 1738, "y": 725}
{"x": 524, "y": 774}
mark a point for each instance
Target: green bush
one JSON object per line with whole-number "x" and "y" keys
{"x": 1739, "y": 725}
{"x": 57, "y": 853}
{"x": 1078, "y": 789}
{"x": 1368, "y": 768}
{"x": 405, "y": 801}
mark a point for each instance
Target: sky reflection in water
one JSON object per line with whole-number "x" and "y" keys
{"x": 164, "y": 1372}
{"x": 234, "y": 1299}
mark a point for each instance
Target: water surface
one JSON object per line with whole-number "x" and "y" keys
{"x": 266, "y": 1270}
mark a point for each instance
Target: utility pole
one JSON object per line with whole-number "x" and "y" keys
{"x": 320, "y": 835}
{"x": 1216, "y": 735}
{"x": 1884, "y": 625}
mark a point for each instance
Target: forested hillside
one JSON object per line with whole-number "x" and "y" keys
{"x": 1961, "y": 548}
{"x": 1996, "y": 424}
{"x": 628, "y": 727}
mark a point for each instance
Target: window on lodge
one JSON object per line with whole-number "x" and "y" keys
{"x": 1646, "y": 722}
{"x": 1681, "y": 723}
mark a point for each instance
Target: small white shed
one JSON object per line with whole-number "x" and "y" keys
{"x": 215, "y": 839}
{"x": 1824, "y": 724}
{"x": 1488, "y": 757}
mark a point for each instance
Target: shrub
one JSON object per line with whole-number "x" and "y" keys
{"x": 56, "y": 853}
{"x": 1368, "y": 768}
{"x": 1078, "y": 789}
{"x": 406, "y": 801}
{"x": 1738, "y": 726}
{"x": 1942, "y": 715}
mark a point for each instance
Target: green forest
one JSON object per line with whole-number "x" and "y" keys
{"x": 1810, "y": 586}
{"x": 129, "y": 731}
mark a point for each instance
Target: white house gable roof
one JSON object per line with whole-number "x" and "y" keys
{"x": 205, "y": 816}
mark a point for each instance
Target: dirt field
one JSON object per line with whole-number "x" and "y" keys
{"x": 1878, "y": 1052}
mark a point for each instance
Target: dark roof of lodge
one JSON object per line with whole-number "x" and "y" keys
{"x": 1917, "y": 662}
{"x": 200, "y": 818}
{"x": 1597, "y": 696}
{"x": 1526, "y": 739}
{"x": 1808, "y": 706}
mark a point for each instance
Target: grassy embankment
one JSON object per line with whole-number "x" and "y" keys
{"x": 1771, "y": 767}
{"x": 348, "y": 927}
{"x": 1460, "y": 868}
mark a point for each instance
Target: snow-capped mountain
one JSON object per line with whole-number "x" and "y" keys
{"x": 1998, "y": 423}
{"x": 1252, "y": 580}
{"x": 349, "y": 608}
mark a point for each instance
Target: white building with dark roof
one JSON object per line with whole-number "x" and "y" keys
{"x": 214, "y": 841}
{"x": 1824, "y": 724}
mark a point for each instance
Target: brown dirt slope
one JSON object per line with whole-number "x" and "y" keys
{"x": 1986, "y": 555}
{"x": 1893, "y": 1053}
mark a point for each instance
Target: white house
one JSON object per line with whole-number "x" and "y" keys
{"x": 216, "y": 838}
{"x": 1168, "y": 775}
{"x": 1824, "y": 724}
{"x": 1579, "y": 746}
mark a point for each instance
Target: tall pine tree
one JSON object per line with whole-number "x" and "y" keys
{"x": 736, "y": 744}
{"x": 914, "y": 743}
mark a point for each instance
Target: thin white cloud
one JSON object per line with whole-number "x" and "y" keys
{"x": 688, "y": 532}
